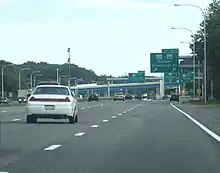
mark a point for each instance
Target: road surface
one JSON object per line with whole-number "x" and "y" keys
{"x": 111, "y": 137}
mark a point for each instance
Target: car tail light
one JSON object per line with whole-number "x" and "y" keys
{"x": 67, "y": 99}
{"x": 49, "y": 99}
{"x": 32, "y": 99}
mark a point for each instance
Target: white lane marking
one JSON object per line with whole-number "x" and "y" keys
{"x": 104, "y": 121}
{"x": 120, "y": 114}
{"x": 52, "y": 147}
{"x": 88, "y": 107}
{"x": 125, "y": 112}
{"x": 215, "y": 136}
{"x": 82, "y": 108}
{"x": 80, "y": 134}
{"x": 4, "y": 172}
{"x": 95, "y": 126}
{"x": 16, "y": 120}
{"x": 101, "y": 105}
{"x": 4, "y": 111}
{"x": 113, "y": 117}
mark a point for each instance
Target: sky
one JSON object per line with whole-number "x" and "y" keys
{"x": 112, "y": 37}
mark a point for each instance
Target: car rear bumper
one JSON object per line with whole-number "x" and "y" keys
{"x": 119, "y": 98}
{"x": 38, "y": 110}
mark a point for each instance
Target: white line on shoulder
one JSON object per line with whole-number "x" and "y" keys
{"x": 215, "y": 136}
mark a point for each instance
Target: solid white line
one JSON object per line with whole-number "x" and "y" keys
{"x": 113, "y": 117}
{"x": 215, "y": 136}
{"x": 4, "y": 172}
{"x": 16, "y": 120}
{"x": 52, "y": 147}
{"x": 104, "y": 121}
{"x": 95, "y": 126}
{"x": 120, "y": 114}
{"x": 79, "y": 134}
{"x": 82, "y": 108}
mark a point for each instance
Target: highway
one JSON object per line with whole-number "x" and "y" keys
{"x": 111, "y": 137}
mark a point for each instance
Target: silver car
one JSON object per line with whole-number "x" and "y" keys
{"x": 52, "y": 101}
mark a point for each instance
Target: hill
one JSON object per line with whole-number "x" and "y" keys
{"x": 49, "y": 72}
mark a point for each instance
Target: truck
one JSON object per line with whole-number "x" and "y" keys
{"x": 22, "y": 95}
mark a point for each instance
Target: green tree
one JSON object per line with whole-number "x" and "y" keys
{"x": 213, "y": 46}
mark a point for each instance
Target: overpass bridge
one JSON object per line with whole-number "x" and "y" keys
{"x": 118, "y": 87}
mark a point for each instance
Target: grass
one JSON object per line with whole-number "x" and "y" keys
{"x": 213, "y": 103}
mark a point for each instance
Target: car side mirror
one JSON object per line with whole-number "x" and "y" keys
{"x": 28, "y": 95}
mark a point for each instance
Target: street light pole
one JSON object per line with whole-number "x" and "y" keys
{"x": 68, "y": 50}
{"x": 194, "y": 67}
{"x": 61, "y": 76}
{"x": 19, "y": 77}
{"x": 8, "y": 65}
{"x": 32, "y": 77}
{"x": 57, "y": 75}
{"x": 35, "y": 78}
{"x": 205, "y": 47}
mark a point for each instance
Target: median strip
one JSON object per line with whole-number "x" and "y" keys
{"x": 52, "y": 147}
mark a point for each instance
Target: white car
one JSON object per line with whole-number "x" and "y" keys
{"x": 52, "y": 101}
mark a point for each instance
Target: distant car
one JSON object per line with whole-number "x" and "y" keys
{"x": 119, "y": 96}
{"x": 129, "y": 97}
{"x": 93, "y": 97}
{"x": 49, "y": 83}
{"x": 52, "y": 101}
{"x": 22, "y": 100}
{"x": 4, "y": 100}
{"x": 174, "y": 97}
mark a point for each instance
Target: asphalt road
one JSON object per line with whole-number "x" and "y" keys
{"x": 111, "y": 137}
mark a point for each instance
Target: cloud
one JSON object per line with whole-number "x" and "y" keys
{"x": 116, "y": 4}
{"x": 4, "y": 3}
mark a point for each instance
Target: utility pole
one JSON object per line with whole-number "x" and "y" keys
{"x": 68, "y": 50}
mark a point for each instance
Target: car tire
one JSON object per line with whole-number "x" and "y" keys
{"x": 123, "y": 99}
{"x": 31, "y": 119}
{"x": 76, "y": 118}
{"x": 114, "y": 100}
{"x": 72, "y": 120}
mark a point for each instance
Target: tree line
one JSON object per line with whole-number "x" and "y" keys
{"x": 48, "y": 71}
{"x": 213, "y": 47}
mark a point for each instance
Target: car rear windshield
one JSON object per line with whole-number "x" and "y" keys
{"x": 119, "y": 94}
{"x": 51, "y": 91}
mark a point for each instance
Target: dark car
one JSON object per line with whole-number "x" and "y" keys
{"x": 93, "y": 97}
{"x": 174, "y": 97}
{"x": 128, "y": 97}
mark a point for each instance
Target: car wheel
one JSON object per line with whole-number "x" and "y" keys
{"x": 72, "y": 120}
{"x": 114, "y": 100}
{"x": 31, "y": 119}
{"x": 123, "y": 99}
{"x": 76, "y": 118}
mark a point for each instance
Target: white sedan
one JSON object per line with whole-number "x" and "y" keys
{"x": 52, "y": 101}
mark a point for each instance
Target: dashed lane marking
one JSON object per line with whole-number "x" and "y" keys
{"x": 52, "y": 147}
{"x": 82, "y": 108}
{"x": 3, "y": 112}
{"x": 4, "y": 172}
{"x": 125, "y": 112}
{"x": 95, "y": 126}
{"x": 15, "y": 120}
{"x": 79, "y": 134}
{"x": 215, "y": 136}
{"x": 88, "y": 107}
{"x": 104, "y": 121}
{"x": 113, "y": 117}
{"x": 120, "y": 114}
